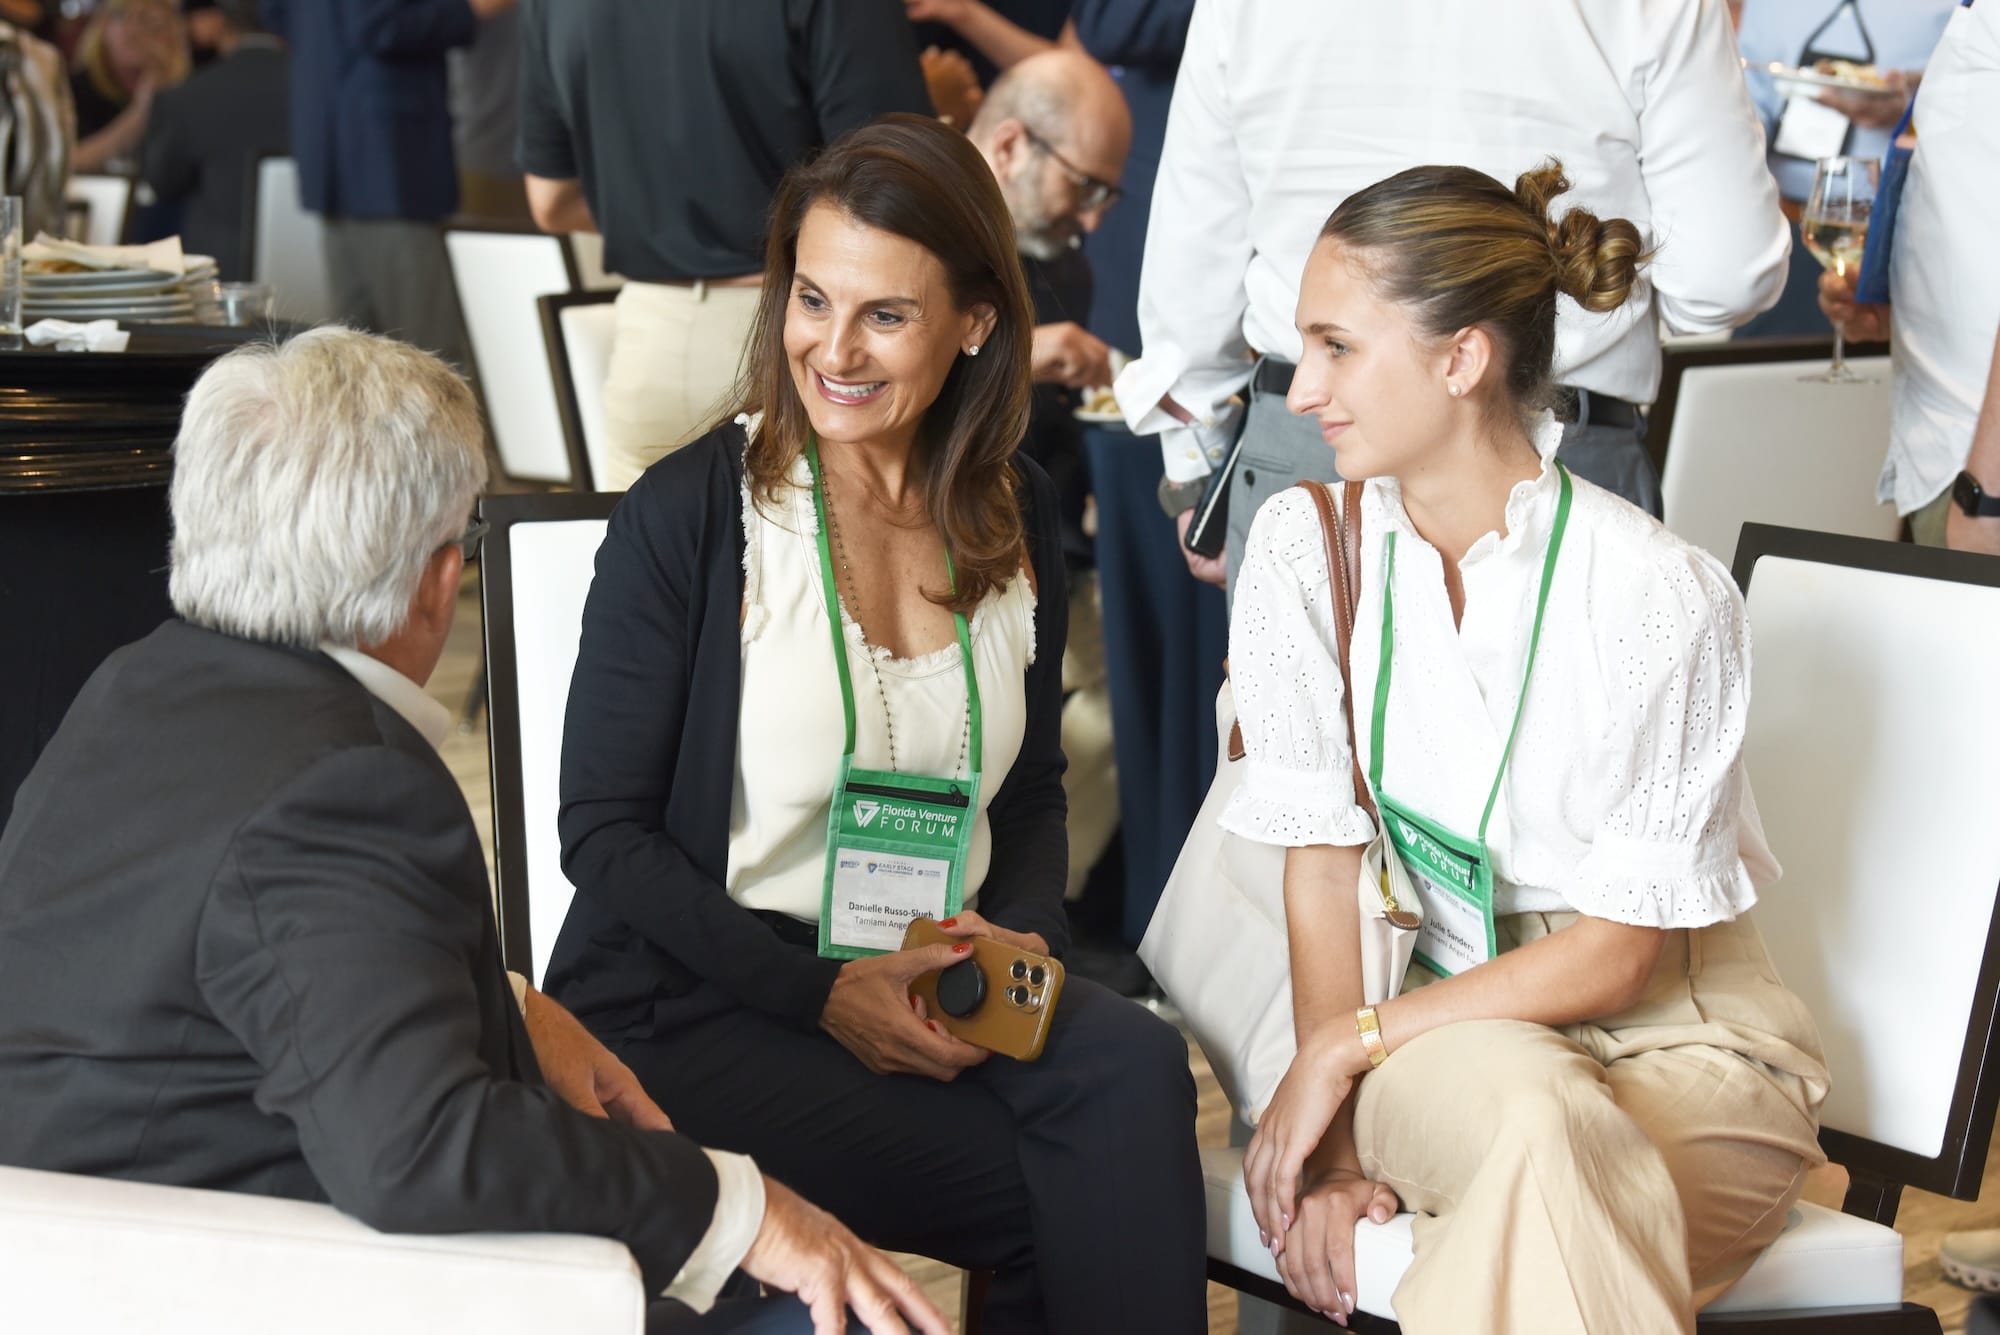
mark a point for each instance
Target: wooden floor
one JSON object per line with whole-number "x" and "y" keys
{"x": 1923, "y": 1221}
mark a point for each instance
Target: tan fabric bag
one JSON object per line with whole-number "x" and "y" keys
{"x": 1217, "y": 941}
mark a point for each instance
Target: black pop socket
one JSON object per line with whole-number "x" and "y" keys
{"x": 961, "y": 989}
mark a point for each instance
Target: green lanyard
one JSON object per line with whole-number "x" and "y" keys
{"x": 976, "y": 747}
{"x": 1376, "y": 728}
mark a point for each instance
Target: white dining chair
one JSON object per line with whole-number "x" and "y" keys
{"x": 1747, "y": 440}
{"x": 106, "y": 202}
{"x": 499, "y": 274}
{"x": 288, "y": 245}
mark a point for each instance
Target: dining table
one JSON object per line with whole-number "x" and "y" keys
{"x": 86, "y": 457}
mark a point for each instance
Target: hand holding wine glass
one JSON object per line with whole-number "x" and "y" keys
{"x": 1835, "y": 228}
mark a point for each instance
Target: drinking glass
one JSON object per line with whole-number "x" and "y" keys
{"x": 1835, "y": 228}
{"x": 243, "y": 303}
{"x": 10, "y": 269}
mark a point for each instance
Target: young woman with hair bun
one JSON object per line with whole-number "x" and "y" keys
{"x": 1593, "y": 1091}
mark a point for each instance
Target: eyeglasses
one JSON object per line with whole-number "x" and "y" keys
{"x": 1092, "y": 192}
{"x": 468, "y": 541}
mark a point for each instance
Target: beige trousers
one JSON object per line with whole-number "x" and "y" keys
{"x": 1608, "y": 1178}
{"x": 675, "y": 355}
{"x": 1927, "y": 522}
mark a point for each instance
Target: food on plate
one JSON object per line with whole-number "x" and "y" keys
{"x": 55, "y": 266}
{"x": 1101, "y": 402}
{"x": 1852, "y": 72}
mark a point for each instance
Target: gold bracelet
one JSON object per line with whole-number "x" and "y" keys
{"x": 1370, "y": 1029}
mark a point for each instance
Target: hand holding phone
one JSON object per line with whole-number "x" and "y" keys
{"x": 1001, "y": 998}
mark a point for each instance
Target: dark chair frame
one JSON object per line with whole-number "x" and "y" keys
{"x": 1877, "y": 1173}
{"x": 503, "y": 707}
{"x": 550, "y": 310}
{"x": 1677, "y": 361}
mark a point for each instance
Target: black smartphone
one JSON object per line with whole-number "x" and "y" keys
{"x": 1208, "y": 531}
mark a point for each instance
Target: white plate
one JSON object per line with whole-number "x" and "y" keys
{"x": 79, "y": 282}
{"x": 199, "y": 267}
{"x": 173, "y": 296}
{"x": 36, "y": 292}
{"x": 107, "y": 310}
{"x": 1794, "y": 82}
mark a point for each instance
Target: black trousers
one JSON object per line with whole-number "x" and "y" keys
{"x": 1074, "y": 1179}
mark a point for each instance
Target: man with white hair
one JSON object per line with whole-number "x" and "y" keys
{"x": 246, "y": 941}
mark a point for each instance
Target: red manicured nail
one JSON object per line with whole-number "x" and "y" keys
{"x": 932, "y": 1024}
{"x": 915, "y": 1002}
{"x": 961, "y": 948}
{"x": 949, "y": 922}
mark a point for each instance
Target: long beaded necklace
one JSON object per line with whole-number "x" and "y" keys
{"x": 853, "y": 600}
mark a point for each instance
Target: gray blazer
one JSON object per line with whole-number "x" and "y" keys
{"x": 246, "y": 942}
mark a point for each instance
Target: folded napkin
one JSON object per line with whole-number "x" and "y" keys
{"x": 68, "y": 336}
{"x": 160, "y": 256}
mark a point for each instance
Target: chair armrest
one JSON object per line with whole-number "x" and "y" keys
{"x": 86, "y": 1253}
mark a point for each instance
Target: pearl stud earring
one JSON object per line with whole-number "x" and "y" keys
{"x": 972, "y": 351}
{"x": 1456, "y": 390}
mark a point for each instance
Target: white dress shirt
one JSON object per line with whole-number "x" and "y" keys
{"x": 1944, "y": 276}
{"x": 739, "y": 1199}
{"x": 1284, "y": 108}
{"x": 1625, "y": 796}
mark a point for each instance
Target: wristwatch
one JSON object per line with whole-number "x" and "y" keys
{"x": 1970, "y": 497}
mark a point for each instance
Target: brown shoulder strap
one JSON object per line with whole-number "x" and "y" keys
{"x": 1341, "y": 531}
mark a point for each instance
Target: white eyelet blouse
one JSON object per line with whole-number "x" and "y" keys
{"x": 790, "y": 733}
{"x": 1625, "y": 797}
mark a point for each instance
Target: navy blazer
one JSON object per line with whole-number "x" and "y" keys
{"x": 371, "y": 115}
{"x": 1141, "y": 41}
{"x": 652, "y": 939}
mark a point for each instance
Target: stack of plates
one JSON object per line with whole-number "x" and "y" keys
{"x": 139, "y": 296}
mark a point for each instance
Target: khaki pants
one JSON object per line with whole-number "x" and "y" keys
{"x": 1605, "y": 1177}
{"x": 1927, "y": 522}
{"x": 675, "y": 355}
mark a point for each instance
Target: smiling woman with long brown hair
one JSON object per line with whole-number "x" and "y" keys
{"x": 856, "y": 586}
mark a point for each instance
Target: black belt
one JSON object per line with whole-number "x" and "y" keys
{"x": 1274, "y": 376}
{"x": 1588, "y": 409}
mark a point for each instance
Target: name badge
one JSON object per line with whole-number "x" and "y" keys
{"x": 897, "y": 847}
{"x": 1455, "y": 886}
{"x": 1810, "y": 129}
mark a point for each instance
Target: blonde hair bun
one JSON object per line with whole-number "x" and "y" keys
{"x": 1597, "y": 260}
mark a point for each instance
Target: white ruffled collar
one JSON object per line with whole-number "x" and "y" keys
{"x": 1531, "y": 505}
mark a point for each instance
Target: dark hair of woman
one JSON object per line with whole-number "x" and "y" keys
{"x": 1461, "y": 249}
{"x": 919, "y": 179}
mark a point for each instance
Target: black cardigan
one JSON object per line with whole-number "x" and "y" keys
{"x": 649, "y": 762}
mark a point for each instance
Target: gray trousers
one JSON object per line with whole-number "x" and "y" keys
{"x": 391, "y": 277}
{"x": 1281, "y": 449}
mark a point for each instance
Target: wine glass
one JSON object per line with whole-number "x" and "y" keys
{"x": 1835, "y": 228}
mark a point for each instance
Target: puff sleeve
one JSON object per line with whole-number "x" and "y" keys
{"x": 1667, "y": 851}
{"x": 1298, "y": 785}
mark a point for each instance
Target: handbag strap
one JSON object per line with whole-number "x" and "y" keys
{"x": 1341, "y": 531}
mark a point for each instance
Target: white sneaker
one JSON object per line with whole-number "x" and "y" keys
{"x": 1972, "y": 1258}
